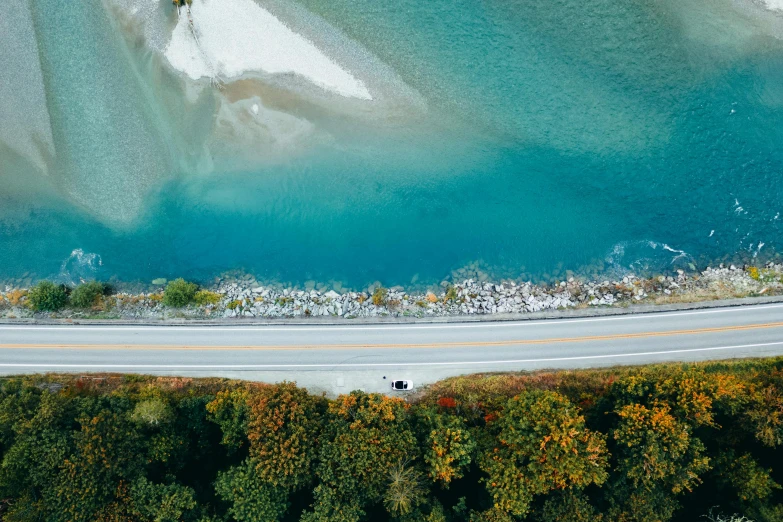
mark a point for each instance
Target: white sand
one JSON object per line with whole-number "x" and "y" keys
{"x": 239, "y": 36}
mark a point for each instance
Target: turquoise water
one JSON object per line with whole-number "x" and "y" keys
{"x": 558, "y": 135}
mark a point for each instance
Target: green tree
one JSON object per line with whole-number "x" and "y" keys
{"x": 745, "y": 476}
{"x": 36, "y": 442}
{"x": 47, "y": 297}
{"x": 230, "y": 410}
{"x": 163, "y": 502}
{"x": 251, "y": 499}
{"x": 542, "y": 445}
{"x": 87, "y": 294}
{"x": 764, "y": 414}
{"x": 568, "y": 506}
{"x": 179, "y": 293}
{"x": 491, "y": 515}
{"x": 330, "y": 506}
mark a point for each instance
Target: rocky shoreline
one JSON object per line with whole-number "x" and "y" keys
{"x": 243, "y": 297}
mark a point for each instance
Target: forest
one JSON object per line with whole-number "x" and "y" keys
{"x": 633, "y": 444}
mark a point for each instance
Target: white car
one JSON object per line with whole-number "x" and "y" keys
{"x": 401, "y": 385}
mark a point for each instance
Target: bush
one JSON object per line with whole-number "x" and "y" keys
{"x": 380, "y": 296}
{"x": 179, "y": 293}
{"x": 47, "y": 296}
{"x": 205, "y": 297}
{"x": 85, "y": 295}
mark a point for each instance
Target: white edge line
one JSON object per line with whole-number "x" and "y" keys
{"x": 497, "y": 324}
{"x": 336, "y": 366}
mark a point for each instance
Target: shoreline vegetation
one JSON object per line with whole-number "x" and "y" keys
{"x": 679, "y": 442}
{"x": 244, "y": 297}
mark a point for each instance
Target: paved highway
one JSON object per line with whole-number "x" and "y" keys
{"x": 340, "y": 358}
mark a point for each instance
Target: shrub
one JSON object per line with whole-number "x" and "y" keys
{"x": 15, "y": 296}
{"x": 86, "y": 294}
{"x": 753, "y": 272}
{"x": 205, "y": 297}
{"x": 380, "y": 296}
{"x": 451, "y": 293}
{"x": 47, "y": 296}
{"x": 179, "y": 293}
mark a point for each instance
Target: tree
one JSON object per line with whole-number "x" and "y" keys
{"x": 163, "y": 502}
{"x": 405, "y": 491}
{"x": 283, "y": 428}
{"x": 365, "y": 436}
{"x": 36, "y": 441}
{"x": 491, "y": 515}
{"x": 331, "y": 507}
{"x": 657, "y": 459}
{"x": 105, "y": 452}
{"x": 179, "y": 293}
{"x": 47, "y": 297}
{"x": 251, "y": 499}
{"x": 691, "y": 393}
{"x": 655, "y": 448}
{"x": 568, "y": 506}
{"x": 152, "y": 412}
{"x": 745, "y": 476}
{"x": 542, "y": 445}
{"x": 764, "y": 414}
{"x": 447, "y": 445}
{"x": 230, "y": 410}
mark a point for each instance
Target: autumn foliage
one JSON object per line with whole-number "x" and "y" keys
{"x": 650, "y": 444}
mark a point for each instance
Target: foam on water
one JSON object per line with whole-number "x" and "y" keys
{"x": 79, "y": 267}
{"x": 644, "y": 256}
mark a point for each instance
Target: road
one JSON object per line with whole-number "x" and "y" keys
{"x": 340, "y": 358}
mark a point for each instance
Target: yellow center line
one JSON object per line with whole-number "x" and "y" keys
{"x": 614, "y": 337}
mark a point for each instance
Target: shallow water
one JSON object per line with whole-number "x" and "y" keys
{"x": 533, "y": 136}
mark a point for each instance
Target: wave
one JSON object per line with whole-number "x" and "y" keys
{"x": 646, "y": 256}
{"x": 79, "y": 267}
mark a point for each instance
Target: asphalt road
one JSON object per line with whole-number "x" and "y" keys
{"x": 340, "y": 358}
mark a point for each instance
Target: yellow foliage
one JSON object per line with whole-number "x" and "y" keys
{"x": 432, "y": 298}
{"x": 753, "y": 272}
{"x": 205, "y": 297}
{"x": 15, "y": 296}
